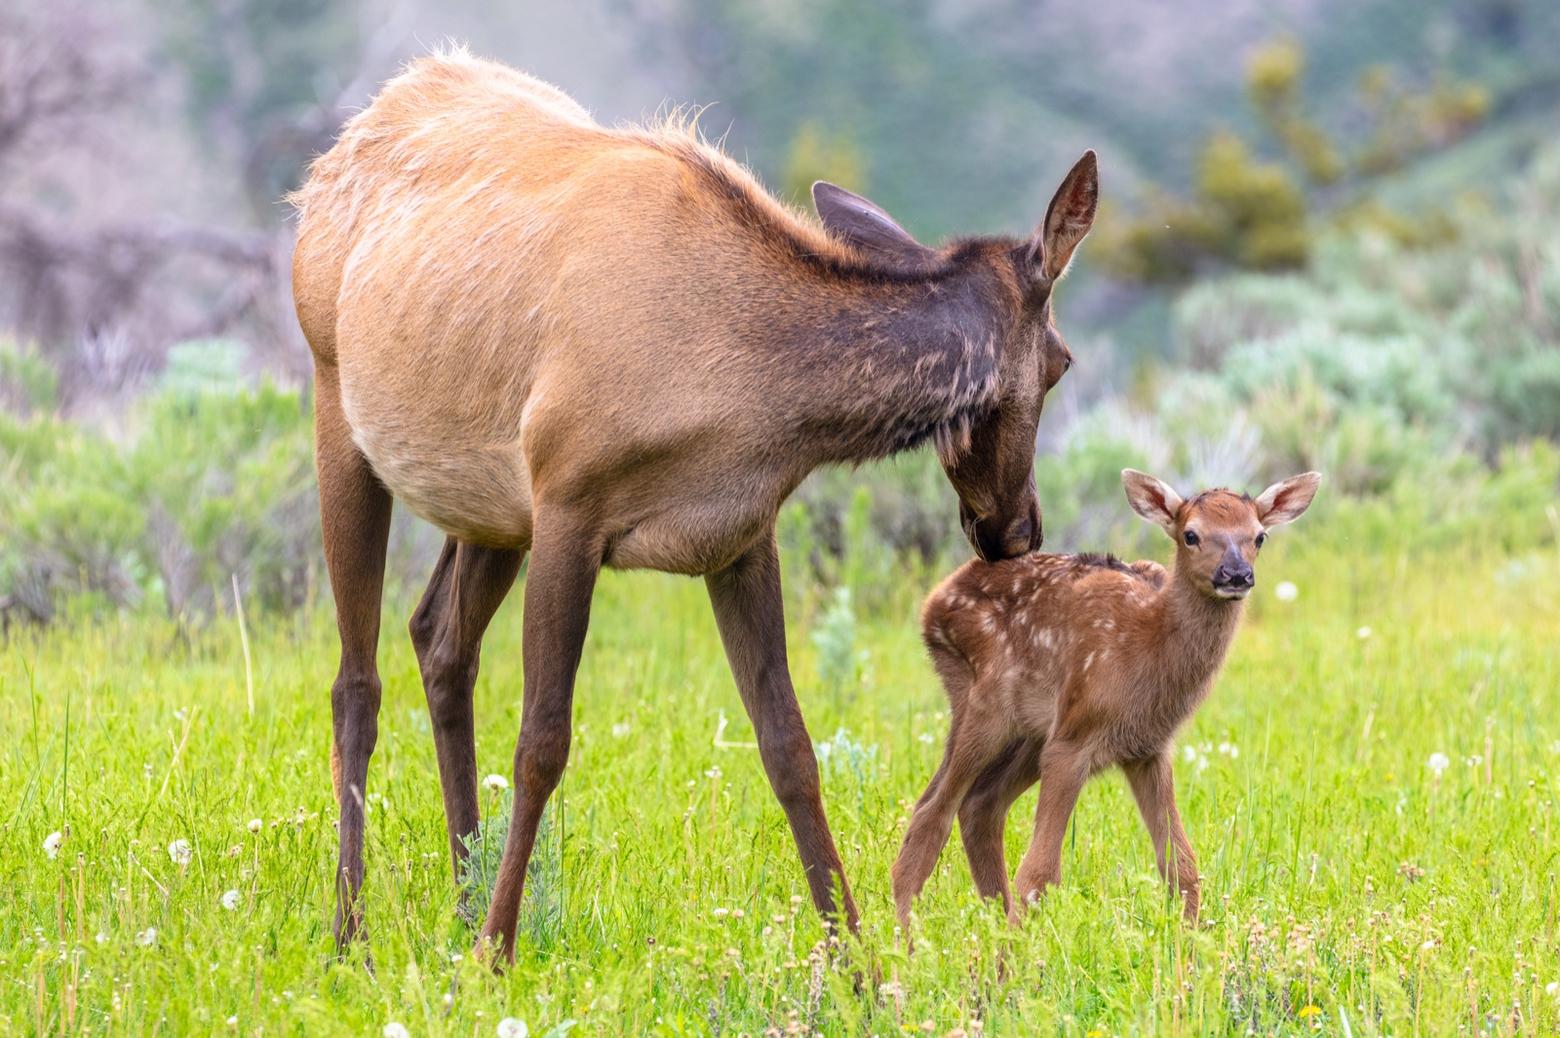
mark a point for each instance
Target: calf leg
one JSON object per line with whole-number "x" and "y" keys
{"x": 974, "y": 741}
{"x": 355, "y": 522}
{"x": 983, "y": 816}
{"x": 1153, "y": 785}
{"x": 1064, "y": 768}
{"x": 751, "y": 618}
{"x": 468, "y": 585}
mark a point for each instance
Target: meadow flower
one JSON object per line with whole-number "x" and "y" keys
{"x": 1363, "y": 632}
{"x": 1552, "y": 988}
{"x": 255, "y": 825}
{"x": 51, "y": 843}
{"x": 495, "y": 783}
{"x": 1286, "y": 591}
{"x": 230, "y": 900}
{"x": 179, "y": 851}
{"x": 147, "y": 937}
{"x": 396, "y": 1030}
{"x": 513, "y": 1027}
{"x": 619, "y": 731}
{"x": 1438, "y": 762}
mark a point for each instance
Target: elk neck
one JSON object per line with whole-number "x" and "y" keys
{"x": 895, "y": 362}
{"x": 1195, "y": 635}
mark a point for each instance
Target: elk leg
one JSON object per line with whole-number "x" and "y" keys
{"x": 558, "y": 587}
{"x": 751, "y": 619}
{"x": 983, "y": 816}
{"x": 972, "y": 747}
{"x": 1153, "y": 785}
{"x": 355, "y": 522}
{"x": 1063, "y": 770}
{"x": 467, "y": 587}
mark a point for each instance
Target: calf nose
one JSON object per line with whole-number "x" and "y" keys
{"x": 1240, "y": 576}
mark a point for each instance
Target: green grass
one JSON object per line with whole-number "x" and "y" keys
{"x": 1348, "y": 888}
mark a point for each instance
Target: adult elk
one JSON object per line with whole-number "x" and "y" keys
{"x": 610, "y": 347}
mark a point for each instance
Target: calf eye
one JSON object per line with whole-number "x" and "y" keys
{"x": 1261, "y": 540}
{"x": 1190, "y": 538}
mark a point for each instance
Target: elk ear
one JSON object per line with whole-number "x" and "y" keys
{"x": 1151, "y": 498}
{"x": 1067, "y": 220}
{"x": 861, "y": 223}
{"x": 1285, "y": 502}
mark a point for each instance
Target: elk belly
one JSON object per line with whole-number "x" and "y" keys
{"x": 474, "y": 491}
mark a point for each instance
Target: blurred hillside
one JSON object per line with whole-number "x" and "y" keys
{"x": 145, "y": 144}
{"x": 1328, "y": 240}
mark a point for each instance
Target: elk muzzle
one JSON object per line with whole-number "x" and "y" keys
{"x": 1233, "y": 578}
{"x": 999, "y": 537}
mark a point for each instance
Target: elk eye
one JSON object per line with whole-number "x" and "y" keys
{"x": 1190, "y": 538}
{"x": 1261, "y": 540}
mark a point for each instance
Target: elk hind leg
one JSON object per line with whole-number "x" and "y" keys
{"x": 355, "y": 523}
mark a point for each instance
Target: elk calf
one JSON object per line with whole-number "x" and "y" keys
{"x": 1059, "y": 666}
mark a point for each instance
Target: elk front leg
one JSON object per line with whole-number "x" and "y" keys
{"x": 1064, "y": 769}
{"x": 1153, "y": 785}
{"x": 558, "y": 587}
{"x": 751, "y": 619}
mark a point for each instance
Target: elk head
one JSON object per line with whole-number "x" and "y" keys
{"x": 993, "y": 470}
{"x": 1219, "y": 532}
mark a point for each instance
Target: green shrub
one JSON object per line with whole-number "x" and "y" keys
{"x": 200, "y": 487}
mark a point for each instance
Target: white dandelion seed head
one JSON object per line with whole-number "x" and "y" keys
{"x": 495, "y": 783}
{"x": 147, "y": 937}
{"x": 1286, "y": 591}
{"x": 1363, "y": 633}
{"x": 230, "y": 900}
{"x": 232, "y": 1021}
{"x": 179, "y": 850}
{"x": 51, "y": 843}
{"x": 1552, "y": 989}
{"x": 1438, "y": 762}
{"x": 255, "y": 825}
{"x": 513, "y": 1027}
{"x": 396, "y": 1030}
{"x": 619, "y": 731}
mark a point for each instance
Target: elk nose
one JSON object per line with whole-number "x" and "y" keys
{"x": 1236, "y": 578}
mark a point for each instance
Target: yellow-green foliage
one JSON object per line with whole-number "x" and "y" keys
{"x": 815, "y": 155}
{"x": 1255, "y": 214}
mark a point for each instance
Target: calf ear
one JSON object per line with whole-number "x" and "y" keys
{"x": 1151, "y": 498}
{"x": 862, "y": 223}
{"x": 1285, "y": 502}
{"x": 1067, "y": 220}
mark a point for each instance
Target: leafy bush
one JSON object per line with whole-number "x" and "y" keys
{"x": 197, "y": 488}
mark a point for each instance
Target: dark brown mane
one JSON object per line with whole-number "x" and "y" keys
{"x": 755, "y": 209}
{"x": 1102, "y": 560}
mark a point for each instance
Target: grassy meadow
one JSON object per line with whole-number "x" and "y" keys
{"x": 1371, "y": 790}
